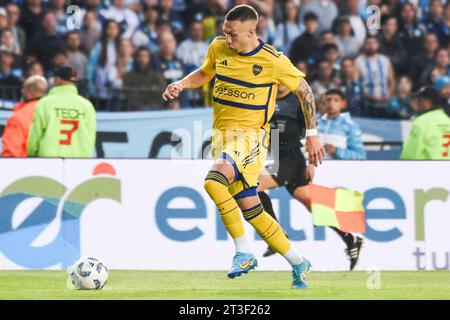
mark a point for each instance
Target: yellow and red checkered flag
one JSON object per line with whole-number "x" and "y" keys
{"x": 337, "y": 207}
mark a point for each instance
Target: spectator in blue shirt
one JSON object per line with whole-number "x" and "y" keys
{"x": 10, "y": 78}
{"x": 125, "y": 17}
{"x": 192, "y": 52}
{"x": 59, "y": 8}
{"x": 147, "y": 33}
{"x": 340, "y": 135}
{"x": 400, "y": 103}
{"x": 434, "y": 22}
{"x": 326, "y": 11}
{"x": 168, "y": 13}
{"x": 306, "y": 45}
{"x": 351, "y": 86}
{"x": 410, "y": 31}
{"x": 47, "y": 41}
{"x": 168, "y": 64}
{"x": 442, "y": 85}
{"x": 440, "y": 67}
{"x": 102, "y": 65}
{"x": 264, "y": 30}
{"x": 288, "y": 29}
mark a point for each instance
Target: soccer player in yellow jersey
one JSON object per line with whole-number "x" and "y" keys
{"x": 247, "y": 74}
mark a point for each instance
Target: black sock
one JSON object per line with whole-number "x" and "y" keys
{"x": 267, "y": 204}
{"x": 346, "y": 236}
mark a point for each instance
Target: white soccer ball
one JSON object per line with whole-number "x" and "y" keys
{"x": 88, "y": 273}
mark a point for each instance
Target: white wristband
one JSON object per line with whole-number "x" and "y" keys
{"x": 311, "y": 132}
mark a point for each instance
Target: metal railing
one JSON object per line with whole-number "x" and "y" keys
{"x": 141, "y": 99}
{"x": 124, "y": 99}
{"x": 9, "y": 96}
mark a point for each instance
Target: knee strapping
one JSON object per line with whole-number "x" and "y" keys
{"x": 216, "y": 176}
{"x": 253, "y": 212}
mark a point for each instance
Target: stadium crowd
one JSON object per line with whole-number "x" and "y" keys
{"x": 126, "y": 51}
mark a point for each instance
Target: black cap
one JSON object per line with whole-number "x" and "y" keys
{"x": 428, "y": 92}
{"x": 65, "y": 73}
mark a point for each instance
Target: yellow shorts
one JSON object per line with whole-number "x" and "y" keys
{"x": 246, "y": 150}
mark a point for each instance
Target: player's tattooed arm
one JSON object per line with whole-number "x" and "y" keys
{"x": 313, "y": 144}
{"x": 306, "y": 97}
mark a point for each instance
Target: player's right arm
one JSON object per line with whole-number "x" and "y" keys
{"x": 195, "y": 79}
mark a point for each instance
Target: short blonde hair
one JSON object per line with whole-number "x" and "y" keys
{"x": 36, "y": 83}
{"x": 242, "y": 13}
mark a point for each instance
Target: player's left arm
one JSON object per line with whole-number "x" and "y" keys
{"x": 306, "y": 97}
{"x": 313, "y": 145}
{"x": 286, "y": 74}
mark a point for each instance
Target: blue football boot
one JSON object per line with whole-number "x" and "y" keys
{"x": 242, "y": 263}
{"x": 299, "y": 272}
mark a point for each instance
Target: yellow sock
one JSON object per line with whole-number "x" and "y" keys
{"x": 268, "y": 228}
{"x": 216, "y": 185}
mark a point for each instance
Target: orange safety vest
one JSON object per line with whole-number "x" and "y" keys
{"x": 15, "y": 136}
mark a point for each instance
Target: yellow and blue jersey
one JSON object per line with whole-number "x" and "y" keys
{"x": 246, "y": 84}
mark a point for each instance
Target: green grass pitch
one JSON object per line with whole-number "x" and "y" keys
{"x": 192, "y": 285}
